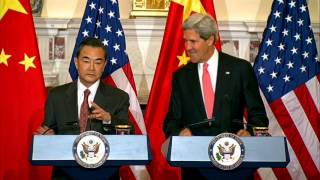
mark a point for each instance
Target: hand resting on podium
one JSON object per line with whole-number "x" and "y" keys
{"x": 44, "y": 130}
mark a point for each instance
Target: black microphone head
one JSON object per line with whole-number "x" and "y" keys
{"x": 91, "y": 109}
{"x": 226, "y": 97}
{"x": 240, "y": 121}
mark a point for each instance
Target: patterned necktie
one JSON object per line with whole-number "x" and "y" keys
{"x": 84, "y": 111}
{"x": 207, "y": 91}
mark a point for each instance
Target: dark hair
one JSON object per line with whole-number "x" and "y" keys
{"x": 93, "y": 42}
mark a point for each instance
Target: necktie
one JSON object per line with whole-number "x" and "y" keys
{"x": 207, "y": 91}
{"x": 84, "y": 111}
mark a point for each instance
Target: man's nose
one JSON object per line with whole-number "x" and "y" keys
{"x": 91, "y": 65}
{"x": 188, "y": 46}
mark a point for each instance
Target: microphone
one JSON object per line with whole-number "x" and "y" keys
{"x": 204, "y": 122}
{"x": 226, "y": 98}
{"x": 241, "y": 122}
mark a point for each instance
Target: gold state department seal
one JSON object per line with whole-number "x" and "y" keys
{"x": 226, "y": 151}
{"x": 91, "y": 149}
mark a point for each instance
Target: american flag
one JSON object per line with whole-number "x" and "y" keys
{"x": 101, "y": 20}
{"x": 287, "y": 67}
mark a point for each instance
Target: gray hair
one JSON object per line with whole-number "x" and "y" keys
{"x": 202, "y": 24}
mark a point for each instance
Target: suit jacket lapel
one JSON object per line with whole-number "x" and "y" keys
{"x": 103, "y": 97}
{"x": 100, "y": 97}
{"x": 219, "y": 83}
{"x": 223, "y": 75}
{"x": 195, "y": 88}
{"x": 72, "y": 101}
{"x": 221, "y": 111}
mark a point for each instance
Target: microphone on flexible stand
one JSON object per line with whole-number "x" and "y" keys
{"x": 241, "y": 122}
{"x": 204, "y": 122}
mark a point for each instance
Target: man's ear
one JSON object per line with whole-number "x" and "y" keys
{"x": 211, "y": 41}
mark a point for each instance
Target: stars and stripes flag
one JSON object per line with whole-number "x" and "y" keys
{"x": 287, "y": 67}
{"x": 101, "y": 20}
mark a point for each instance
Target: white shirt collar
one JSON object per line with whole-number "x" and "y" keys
{"x": 80, "y": 93}
{"x": 93, "y": 88}
{"x": 212, "y": 60}
{"x": 213, "y": 69}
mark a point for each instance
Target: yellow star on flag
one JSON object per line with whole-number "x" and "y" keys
{"x": 190, "y": 6}
{"x": 28, "y": 62}
{"x": 14, "y": 5}
{"x": 4, "y": 57}
{"x": 183, "y": 59}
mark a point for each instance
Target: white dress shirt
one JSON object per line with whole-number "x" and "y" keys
{"x": 81, "y": 88}
{"x": 213, "y": 70}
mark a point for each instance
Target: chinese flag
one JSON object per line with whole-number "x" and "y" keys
{"x": 172, "y": 56}
{"x": 22, "y": 91}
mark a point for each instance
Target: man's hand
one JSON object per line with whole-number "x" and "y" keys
{"x": 44, "y": 130}
{"x": 99, "y": 113}
{"x": 243, "y": 133}
{"x": 185, "y": 132}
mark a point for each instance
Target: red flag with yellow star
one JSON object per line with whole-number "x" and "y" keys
{"x": 22, "y": 91}
{"x": 172, "y": 56}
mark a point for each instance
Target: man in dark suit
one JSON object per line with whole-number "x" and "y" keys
{"x": 67, "y": 106}
{"x": 214, "y": 88}
{"x": 109, "y": 105}
{"x": 233, "y": 83}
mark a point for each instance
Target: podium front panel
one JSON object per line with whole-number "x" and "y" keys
{"x": 259, "y": 151}
{"x": 57, "y": 150}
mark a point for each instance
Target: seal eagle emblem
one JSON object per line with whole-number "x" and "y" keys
{"x": 226, "y": 151}
{"x": 91, "y": 149}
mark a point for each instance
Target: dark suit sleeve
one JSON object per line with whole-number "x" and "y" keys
{"x": 50, "y": 120}
{"x": 120, "y": 115}
{"x": 255, "y": 107}
{"x": 173, "y": 122}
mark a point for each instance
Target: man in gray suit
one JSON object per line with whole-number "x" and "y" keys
{"x": 210, "y": 94}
